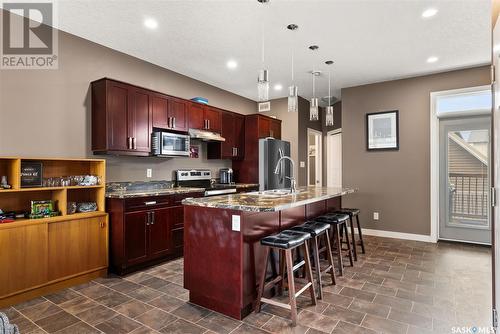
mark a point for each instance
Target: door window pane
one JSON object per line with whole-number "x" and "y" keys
{"x": 468, "y": 178}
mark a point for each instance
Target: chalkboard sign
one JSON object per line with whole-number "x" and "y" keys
{"x": 31, "y": 174}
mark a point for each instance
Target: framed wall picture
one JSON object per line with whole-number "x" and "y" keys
{"x": 31, "y": 174}
{"x": 382, "y": 130}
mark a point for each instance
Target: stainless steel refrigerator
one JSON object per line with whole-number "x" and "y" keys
{"x": 270, "y": 151}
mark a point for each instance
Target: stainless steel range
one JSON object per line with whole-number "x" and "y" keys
{"x": 202, "y": 178}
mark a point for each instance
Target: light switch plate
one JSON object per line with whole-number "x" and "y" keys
{"x": 236, "y": 223}
{"x": 375, "y": 216}
{"x": 302, "y": 164}
{"x": 149, "y": 172}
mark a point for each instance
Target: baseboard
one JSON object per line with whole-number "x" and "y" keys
{"x": 398, "y": 235}
{"x": 50, "y": 287}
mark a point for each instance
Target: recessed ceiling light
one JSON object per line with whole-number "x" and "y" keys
{"x": 231, "y": 64}
{"x": 430, "y": 12}
{"x": 432, "y": 59}
{"x": 150, "y": 23}
{"x": 278, "y": 87}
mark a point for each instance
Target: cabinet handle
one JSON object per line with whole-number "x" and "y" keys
{"x": 102, "y": 224}
{"x": 152, "y": 218}
{"x": 271, "y": 134}
{"x": 168, "y": 122}
{"x": 150, "y": 203}
{"x": 173, "y": 119}
{"x": 129, "y": 143}
{"x": 134, "y": 143}
{"x": 236, "y": 150}
{"x": 147, "y": 218}
{"x": 208, "y": 123}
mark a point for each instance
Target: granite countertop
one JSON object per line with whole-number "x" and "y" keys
{"x": 142, "y": 189}
{"x": 246, "y": 185}
{"x": 154, "y": 192}
{"x": 257, "y": 202}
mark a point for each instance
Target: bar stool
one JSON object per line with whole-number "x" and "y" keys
{"x": 317, "y": 231}
{"x": 354, "y": 213}
{"x": 285, "y": 242}
{"x": 338, "y": 223}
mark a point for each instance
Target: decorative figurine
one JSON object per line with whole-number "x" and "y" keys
{"x": 3, "y": 183}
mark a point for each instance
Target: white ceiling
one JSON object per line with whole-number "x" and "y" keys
{"x": 369, "y": 40}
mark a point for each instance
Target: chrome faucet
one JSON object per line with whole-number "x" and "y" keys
{"x": 293, "y": 183}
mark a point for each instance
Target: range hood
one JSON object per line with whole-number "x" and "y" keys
{"x": 205, "y": 135}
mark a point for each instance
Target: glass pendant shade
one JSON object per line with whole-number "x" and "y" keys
{"x": 313, "y": 110}
{"x": 263, "y": 86}
{"x": 293, "y": 99}
{"x": 329, "y": 116}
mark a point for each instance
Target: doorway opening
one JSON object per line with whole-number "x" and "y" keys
{"x": 462, "y": 164}
{"x": 334, "y": 158}
{"x": 314, "y": 158}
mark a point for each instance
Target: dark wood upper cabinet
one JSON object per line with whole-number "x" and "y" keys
{"x": 139, "y": 121}
{"x": 124, "y": 115}
{"x": 233, "y": 131}
{"x": 264, "y": 125}
{"x": 256, "y": 127}
{"x": 213, "y": 118}
{"x": 159, "y": 107}
{"x": 239, "y": 135}
{"x": 275, "y": 130}
{"x": 169, "y": 113}
{"x": 196, "y": 116}
{"x": 177, "y": 111}
{"x": 121, "y": 118}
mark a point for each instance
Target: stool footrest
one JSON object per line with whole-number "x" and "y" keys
{"x": 304, "y": 288}
{"x": 272, "y": 283}
{"x": 298, "y": 265}
{"x": 275, "y": 303}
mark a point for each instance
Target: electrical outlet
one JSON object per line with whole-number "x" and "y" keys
{"x": 149, "y": 173}
{"x": 302, "y": 164}
{"x": 375, "y": 216}
{"x": 236, "y": 223}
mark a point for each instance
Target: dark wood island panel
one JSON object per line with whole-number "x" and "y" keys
{"x": 221, "y": 264}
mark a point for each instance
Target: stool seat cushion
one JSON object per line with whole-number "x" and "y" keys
{"x": 333, "y": 218}
{"x": 313, "y": 227}
{"x": 349, "y": 211}
{"x": 286, "y": 239}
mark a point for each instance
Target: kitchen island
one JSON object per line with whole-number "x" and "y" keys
{"x": 222, "y": 251}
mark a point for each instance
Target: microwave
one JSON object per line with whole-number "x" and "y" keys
{"x": 169, "y": 144}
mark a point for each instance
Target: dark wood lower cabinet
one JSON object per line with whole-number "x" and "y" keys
{"x": 145, "y": 231}
{"x": 136, "y": 235}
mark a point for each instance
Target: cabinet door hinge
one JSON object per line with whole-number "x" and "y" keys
{"x": 495, "y": 318}
{"x": 493, "y": 196}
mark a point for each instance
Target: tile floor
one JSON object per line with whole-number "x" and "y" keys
{"x": 397, "y": 287}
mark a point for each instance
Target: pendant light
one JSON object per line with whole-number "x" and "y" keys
{"x": 263, "y": 78}
{"x": 293, "y": 91}
{"x": 329, "y": 108}
{"x": 313, "y": 109}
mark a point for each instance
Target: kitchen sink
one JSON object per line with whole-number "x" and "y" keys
{"x": 274, "y": 193}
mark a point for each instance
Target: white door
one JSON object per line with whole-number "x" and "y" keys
{"x": 334, "y": 159}
{"x": 495, "y": 158}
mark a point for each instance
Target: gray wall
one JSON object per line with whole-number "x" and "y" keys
{"x": 395, "y": 183}
{"x": 46, "y": 113}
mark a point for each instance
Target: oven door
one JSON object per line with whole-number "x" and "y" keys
{"x": 173, "y": 144}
